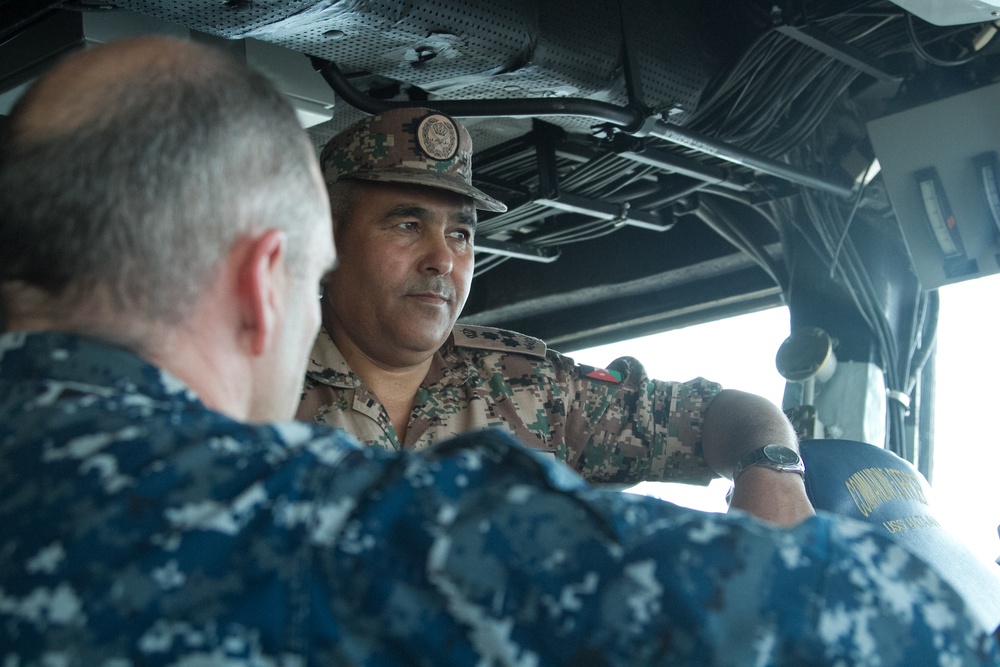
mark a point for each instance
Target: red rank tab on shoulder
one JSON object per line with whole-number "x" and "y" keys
{"x": 604, "y": 375}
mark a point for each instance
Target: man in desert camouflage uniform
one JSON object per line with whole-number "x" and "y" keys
{"x": 391, "y": 367}
{"x": 153, "y": 514}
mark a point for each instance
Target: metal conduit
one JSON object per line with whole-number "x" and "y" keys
{"x": 629, "y": 120}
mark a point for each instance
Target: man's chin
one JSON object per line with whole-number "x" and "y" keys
{"x": 424, "y": 340}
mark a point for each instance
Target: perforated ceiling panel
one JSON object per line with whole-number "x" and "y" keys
{"x": 477, "y": 49}
{"x": 473, "y": 49}
{"x": 232, "y": 19}
{"x": 435, "y": 45}
{"x": 459, "y": 50}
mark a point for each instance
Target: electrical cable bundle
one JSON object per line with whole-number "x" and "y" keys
{"x": 781, "y": 90}
{"x": 599, "y": 179}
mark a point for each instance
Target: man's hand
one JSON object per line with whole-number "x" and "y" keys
{"x": 737, "y": 423}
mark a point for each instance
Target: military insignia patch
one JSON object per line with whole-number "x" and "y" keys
{"x": 604, "y": 375}
{"x": 437, "y": 136}
{"x": 499, "y": 340}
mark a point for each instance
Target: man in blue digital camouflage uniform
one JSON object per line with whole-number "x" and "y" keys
{"x": 391, "y": 367}
{"x": 163, "y": 230}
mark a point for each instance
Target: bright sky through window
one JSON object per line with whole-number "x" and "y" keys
{"x": 739, "y": 353}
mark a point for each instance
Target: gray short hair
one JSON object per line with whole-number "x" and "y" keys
{"x": 146, "y": 197}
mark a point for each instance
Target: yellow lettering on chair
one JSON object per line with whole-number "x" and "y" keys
{"x": 871, "y": 487}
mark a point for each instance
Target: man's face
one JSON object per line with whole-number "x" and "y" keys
{"x": 406, "y": 262}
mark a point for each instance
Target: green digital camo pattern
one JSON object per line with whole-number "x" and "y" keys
{"x": 412, "y": 145}
{"x": 622, "y": 432}
{"x": 142, "y": 529}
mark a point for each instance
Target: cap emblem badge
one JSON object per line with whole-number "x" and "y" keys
{"x": 438, "y": 137}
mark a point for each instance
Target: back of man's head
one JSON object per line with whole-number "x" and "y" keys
{"x": 129, "y": 170}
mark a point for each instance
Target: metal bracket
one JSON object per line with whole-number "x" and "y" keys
{"x": 531, "y": 253}
{"x": 837, "y": 49}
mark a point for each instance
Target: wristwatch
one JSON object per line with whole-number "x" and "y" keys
{"x": 775, "y": 457}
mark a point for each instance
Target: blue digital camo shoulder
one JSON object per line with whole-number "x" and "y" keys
{"x": 141, "y": 528}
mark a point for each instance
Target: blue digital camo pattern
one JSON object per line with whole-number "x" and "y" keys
{"x": 141, "y": 528}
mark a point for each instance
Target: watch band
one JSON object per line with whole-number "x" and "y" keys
{"x": 775, "y": 457}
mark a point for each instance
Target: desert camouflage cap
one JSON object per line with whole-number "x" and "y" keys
{"x": 407, "y": 145}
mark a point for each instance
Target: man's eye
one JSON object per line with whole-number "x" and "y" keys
{"x": 463, "y": 234}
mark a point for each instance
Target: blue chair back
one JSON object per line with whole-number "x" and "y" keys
{"x": 872, "y": 484}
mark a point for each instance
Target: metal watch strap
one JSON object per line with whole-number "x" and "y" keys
{"x": 782, "y": 459}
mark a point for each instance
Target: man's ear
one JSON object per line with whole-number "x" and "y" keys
{"x": 261, "y": 284}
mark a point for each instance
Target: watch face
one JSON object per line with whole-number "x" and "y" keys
{"x": 781, "y": 455}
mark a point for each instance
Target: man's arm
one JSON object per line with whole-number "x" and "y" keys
{"x": 737, "y": 423}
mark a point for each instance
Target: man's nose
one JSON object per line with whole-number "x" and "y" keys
{"x": 438, "y": 257}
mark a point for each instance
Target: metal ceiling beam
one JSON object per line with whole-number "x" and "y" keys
{"x": 620, "y": 213}
{"x": 661, "y": 159}
{"x": 674, "y": 279}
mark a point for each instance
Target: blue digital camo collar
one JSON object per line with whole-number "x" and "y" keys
{"x": 68, "y": 360}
